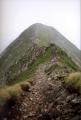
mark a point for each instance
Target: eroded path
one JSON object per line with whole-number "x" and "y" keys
{"x": 47, "y": 99}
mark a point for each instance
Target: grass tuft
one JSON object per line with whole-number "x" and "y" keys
{"x": 12, "y": 91}
{"x": 25, "y": 87}
{"x": 74, "y": 81}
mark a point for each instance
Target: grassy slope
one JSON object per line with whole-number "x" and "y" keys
{"x": 16, "y": 50}
{"x": 33, "y": 66}
{"x": 26, "y": 76}
{"x": 8, "y": 91}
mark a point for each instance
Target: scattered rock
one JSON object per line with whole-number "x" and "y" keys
{"x": 49, "y": 79}
{"x": 25, "y": 117}
{"x": 48, "y": 99}
{"x": 31, "y": 99}
{"x": 69, "y": 98}
{"x": 4, "y": 118}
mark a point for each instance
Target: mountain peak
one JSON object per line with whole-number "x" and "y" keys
{"x": 38, "y": 24}
{"x": 40, "y": 36}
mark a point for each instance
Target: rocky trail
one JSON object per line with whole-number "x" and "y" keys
{"x": 47, "y": 99}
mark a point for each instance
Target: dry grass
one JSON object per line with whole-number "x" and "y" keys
{"x": 25, "y": 86}
{"x": 10, "y": 91}
{"x": 74, "y": 80}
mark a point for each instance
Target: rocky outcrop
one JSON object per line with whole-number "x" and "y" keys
{"x": 22, "y": 64}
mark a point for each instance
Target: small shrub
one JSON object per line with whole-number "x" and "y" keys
{"x": 73, "y": 82}
{"x": 9, "y": 92}
{"x": 25, "y": 87}
{"x": 30, "y": 81}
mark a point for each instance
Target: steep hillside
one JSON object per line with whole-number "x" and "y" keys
{"x": 40, "y": 77}
{"x": 47, "y": 95}
{"x": 30, "y": 44}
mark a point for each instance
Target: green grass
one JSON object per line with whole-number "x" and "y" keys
{"x": 33, "y": 66}
{"x": 68, "y": 61}
{"x": 26, "y": 76}
{"x": 64, "y": 58}
{"x": 50, "y": 51}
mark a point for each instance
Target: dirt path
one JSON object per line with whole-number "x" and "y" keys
{"x": 31, "y": 102}
{"x": 47, "y": 100}
{"x": 34, "y": 99}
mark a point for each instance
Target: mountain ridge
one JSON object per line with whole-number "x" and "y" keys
{"x": 61, "y": 43}
{"x": 38, "y": 35}
{"x": 38, "y": 78}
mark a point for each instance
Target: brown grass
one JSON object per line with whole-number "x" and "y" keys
{"x": 10, "y": 91}
{"x": 74, "y": 80}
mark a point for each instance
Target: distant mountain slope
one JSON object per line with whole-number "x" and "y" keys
{"x": 50, "y": 34}
{"x": 30, "y": 44}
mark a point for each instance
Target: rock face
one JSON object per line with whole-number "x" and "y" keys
{"x": 23, "y": 64}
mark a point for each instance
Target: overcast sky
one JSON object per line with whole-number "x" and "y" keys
{"x": 17, "y": 15}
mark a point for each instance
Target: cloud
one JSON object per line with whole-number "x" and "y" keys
{"x": 17, "y": 15}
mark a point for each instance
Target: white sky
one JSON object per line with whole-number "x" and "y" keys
{"x": 17, "y": 15}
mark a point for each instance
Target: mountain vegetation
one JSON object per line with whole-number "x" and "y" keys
{"x": 40, "y": 77}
